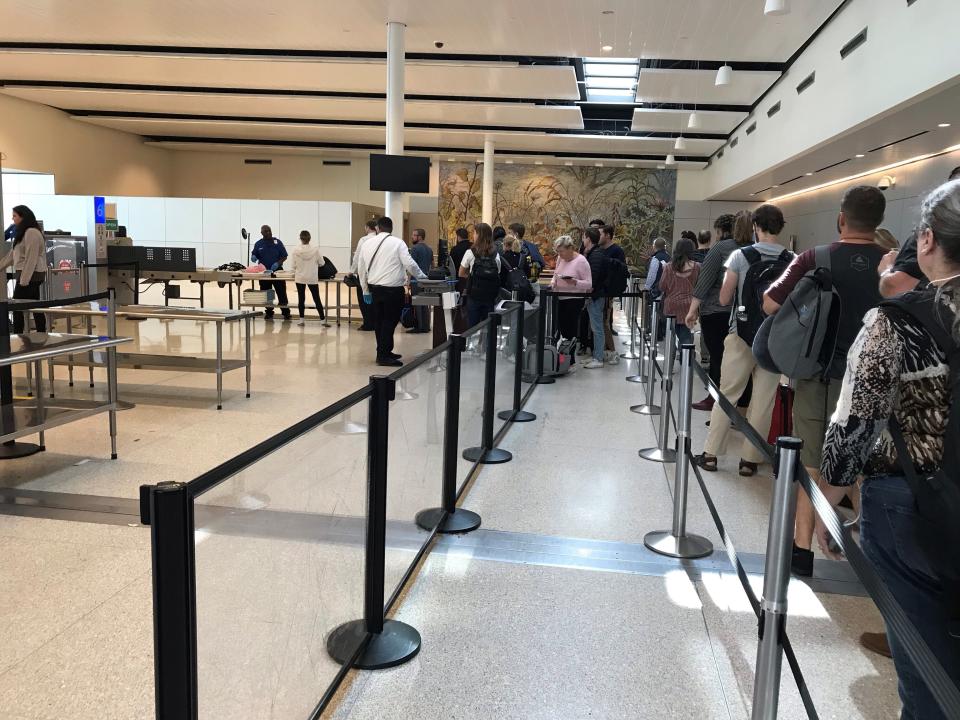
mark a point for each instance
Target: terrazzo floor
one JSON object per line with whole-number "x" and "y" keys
{"x": 500, "y": 639}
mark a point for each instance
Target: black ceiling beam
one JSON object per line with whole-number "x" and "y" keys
{"x": 280, "y": 52}
{"x": 411, "y": 148}
{"x": 710, "y": 65}
{"x": 600, "y": 128}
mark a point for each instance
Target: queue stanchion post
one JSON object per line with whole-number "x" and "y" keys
{"x": 634, "y": 352}
{"x": 539, "y": 378}
{"x": 663, "y": 453}
{"x": 388, "y": 642}
{"x": 486, "y": 453}
{"x": 650, "y": 407}
{"x": 776, "y": 580}
{"x": 676, "y": 542}
{"x": 449, "y": 518}
{"x": 11, "y": 449}
{"x": 642, "y": 305}
{"x": 517, "y": 413}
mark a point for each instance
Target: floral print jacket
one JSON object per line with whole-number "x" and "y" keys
{"x": 893, "y": 368}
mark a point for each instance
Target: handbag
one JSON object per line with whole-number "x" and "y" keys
{"x": 351, "y": 280}
{"x": 327, "y": 270}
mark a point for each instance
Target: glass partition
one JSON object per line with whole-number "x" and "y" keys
{"x": 506, "y": 366}
{"x": 471, "y": 399}
{"x": 279, "y": 564}
{"x": 415, "y": 463}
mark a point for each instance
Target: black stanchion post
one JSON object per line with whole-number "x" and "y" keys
{"x": 486, "y": 453}
{"x": 539, "y": 378}
{"x": 12, "y": 448}
{"x": 391, "y": 642}
{"x": 676, "y": 542}
{"x": 174, "y": 599}
{"x": 516, "y": 413}
{"x": 449, "y": 518}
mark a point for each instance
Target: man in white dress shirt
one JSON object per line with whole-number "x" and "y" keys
{"x": 383, "y": 264}
{"x": 365, "y": 310}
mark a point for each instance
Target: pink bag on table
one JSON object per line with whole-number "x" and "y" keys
{"x": 256, "y": 268}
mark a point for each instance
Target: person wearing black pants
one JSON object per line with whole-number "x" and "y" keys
{"x": 365, "y": 310}
{"x": 302, "y": 299}
{"x": 386, "y": 309}
{"x": 29, "y": 259}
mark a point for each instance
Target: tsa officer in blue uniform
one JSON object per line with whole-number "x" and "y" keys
{"x": 270, "y": 252}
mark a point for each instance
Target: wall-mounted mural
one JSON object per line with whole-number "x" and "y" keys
{"x": 553, "y": 201}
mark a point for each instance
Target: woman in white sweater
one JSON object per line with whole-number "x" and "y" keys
{"x": 306, "y": 263}
{"x": 29, "y": 260}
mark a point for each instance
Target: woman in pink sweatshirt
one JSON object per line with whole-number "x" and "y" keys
{"x": 572, "y": 275}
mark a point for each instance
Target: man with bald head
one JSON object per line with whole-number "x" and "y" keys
{"x": 271, "y": 253}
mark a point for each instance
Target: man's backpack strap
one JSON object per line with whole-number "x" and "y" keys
{"x": 751, "y": 255}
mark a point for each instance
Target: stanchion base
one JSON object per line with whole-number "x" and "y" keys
{"x": 635, "y": 378}
{"x": 13, "y": 450}
{"x": 459, "y": 521}
{"x": 655, "y": 454}
{"x": 404, "y": 395}
{"x": 516, "y": 416}
{"x": 629, "y": 356}
{"x": 645, "y": 409}
{"x": 545, "y": 380}
{"x": 125, "y": 405}
{"x": 663, "y": 542}
{"x": 493, "y": 456}
{"x": 397, "y": 643}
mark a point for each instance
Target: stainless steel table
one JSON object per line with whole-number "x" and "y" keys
{"x": 180, "y": 363}
{"x": 287, "y": 277}
{"x": 34, "y": 415}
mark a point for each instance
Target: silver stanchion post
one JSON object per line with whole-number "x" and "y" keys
{"x": 663, "y": 453}
{"x": 641, "y": 306}
{"x": 776, "y": 579}
{"x": 650, "y": 407}
{"x": 676, "y": 542}
{"x": 634, "y": 351}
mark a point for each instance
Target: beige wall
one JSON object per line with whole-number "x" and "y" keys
{"x": 85, "y": 160}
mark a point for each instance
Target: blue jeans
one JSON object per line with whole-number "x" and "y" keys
{"x": 595, "y": 311}
{"x": 888, "y": 535}
{"x": 477, "y": 312}
{"x": 683, "y": 334}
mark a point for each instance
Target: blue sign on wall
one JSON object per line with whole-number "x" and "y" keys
{"x": 99, "y": 211}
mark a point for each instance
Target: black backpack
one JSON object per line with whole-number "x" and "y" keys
{"x": 484, "y": 280}
{"x": 761, "y": 274}
{"x": 938, "y": 494}
{"x": 618, "y": 275}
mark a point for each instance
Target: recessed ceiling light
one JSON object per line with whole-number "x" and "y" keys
{"x": 859, "y": 155}
{"x": 774, "y": 186}
{"x": 606, "y": 12}
{"x": 538, "y": 162}
{"x": 598, "y": 164}
{"x": 944, "y": 125}
{"x": 509, "y": 162}
{"x": 607, "y": 48}
{"x": 451, "y": 159}
{"x": 661, "y": 166}
{"x": 809, "y": 173}
{"x": 568, "y": 163}
{"x": 629, "y": 165}
{"x": 752, "y": 194}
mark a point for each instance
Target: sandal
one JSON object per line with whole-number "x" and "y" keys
{"x": 707, "y": 462}
{"x": 747, "y": 468}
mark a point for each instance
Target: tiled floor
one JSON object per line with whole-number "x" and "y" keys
{"x": 517, "y": 639}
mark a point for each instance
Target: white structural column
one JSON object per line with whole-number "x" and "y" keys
{"x": 396, "y": 50}
{"x": 488, "y": 169}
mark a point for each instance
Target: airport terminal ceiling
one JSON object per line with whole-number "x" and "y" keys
{"x": 552, "y": 80}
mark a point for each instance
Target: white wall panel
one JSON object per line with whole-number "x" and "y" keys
{"x": 147, "y": 222}
{"x": 184, "y": 221}
{"x": 221, "y": 221}
{"x": 334, "y": 226}
{"x": 256, "y": 213}
{"x": 63, "y": 212}
{"x": 296, "y": 216}
{"x": 339, "y": 256}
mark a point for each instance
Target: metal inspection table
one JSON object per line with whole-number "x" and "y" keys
{"x": 287, "y": 277}
{"x": 161, "y": 362}
{"x": 34, "y": 415}
{"x": 199, "y": 277}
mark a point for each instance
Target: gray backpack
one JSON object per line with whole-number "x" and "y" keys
{"x": 800, "y": 339}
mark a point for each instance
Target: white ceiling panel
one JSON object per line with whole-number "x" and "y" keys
{"x": 301, "y": 107}
{"x": 443, "y": 79}
{"x": 655, "y": 120}
{"x": 698, "y": 29}
{"x": 504, "y": 141}
{"x": 674, "y": 86}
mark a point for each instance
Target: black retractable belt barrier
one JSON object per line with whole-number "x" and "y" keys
{"x": 168, "y": 508}
{"x": 517, "y": 413}
{"x": 388, "y": 642}
{"x": 486, "y": 453}
{"x": 449, "y": 518}
{"x": 539, "y": 378}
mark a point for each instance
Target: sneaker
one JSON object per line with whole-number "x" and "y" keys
{"x": 593, "y": 365}
{"x": 573, "y": 369}
{"x": 802, "y": 562}
{"x": 301, "y": 322}
{"x": 614, "y": 358}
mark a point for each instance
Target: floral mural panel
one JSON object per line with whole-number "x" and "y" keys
{"x": 555, "y": 201}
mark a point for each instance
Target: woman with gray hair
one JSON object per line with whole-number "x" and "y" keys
{"x": 572, "y": 275}
{"x": 897, "y": 395}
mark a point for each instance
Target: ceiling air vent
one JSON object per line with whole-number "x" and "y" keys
{"x": 753, "y": 126}
{"x": 733, "y": 143}
{"x": 807, "y": 82}
{"x": 833, "y": 165}
{"x": 910, "y": 2}
{"x": 895, "y": 142}
{"x": 856, "y": 41}
{"x": 720, "y": 154}
{"x": 337, "y": 162}
{"x": 774, "y": 109}
{"x": 256, "y": 161}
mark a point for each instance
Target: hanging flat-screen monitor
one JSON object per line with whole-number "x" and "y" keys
{"x": 399, "y": 173}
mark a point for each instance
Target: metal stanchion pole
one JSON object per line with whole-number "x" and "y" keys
{"x": 546, "y": 298}
{"x": 391, "y": 642}
{"x": 634, "y": 352}
{"x": 517, "y": 413}
{"x": 650, "y": 407}
{"x": 676, "y": 542}
{"x": 663, "y": 453}
{"x": 642, "y": 307}
{"x": 449, "y": 517}
{"x": 776, "y": 579}
{"x": 486, "y": 453}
